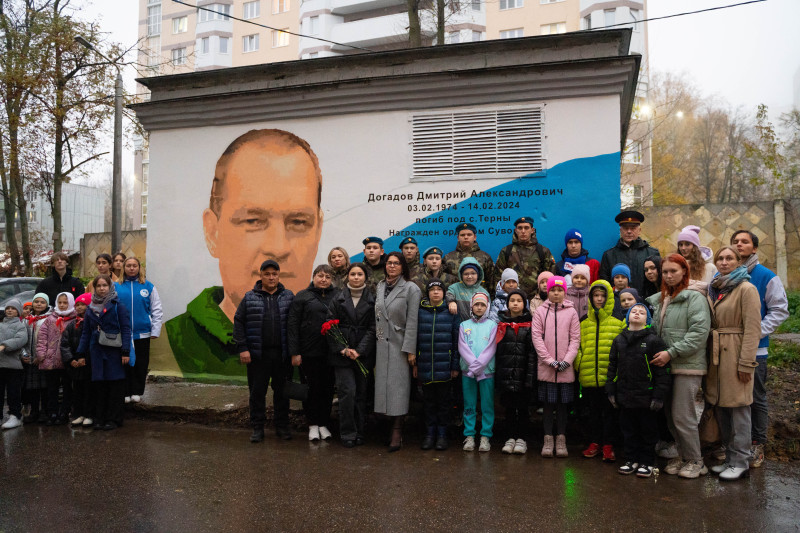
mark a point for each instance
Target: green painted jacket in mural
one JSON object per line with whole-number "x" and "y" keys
{"x": 452, "y": 262}
{"x": 526, "y": 260}
{"x": 598, "y": 331}
{"x": 202, "y": 338}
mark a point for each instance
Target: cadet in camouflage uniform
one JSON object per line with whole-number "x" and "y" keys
{"x": 410, "y": 251}
{"x": 525, "y": 256}
{"x": 468, "y": 247}
{"x": 432, "y": 268}
{"x": 375, "y": 259}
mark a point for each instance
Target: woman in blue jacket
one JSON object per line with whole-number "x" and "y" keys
{"x": 140, "y": 299}
{"x": 107, "y": 318}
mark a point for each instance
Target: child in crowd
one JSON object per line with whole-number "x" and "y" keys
{"x": 598, "y": 331}
{"x": 78, "y": 368}
{"x": 540, "y": 297}
{"x": 638, "y": 389}
{"x": 436, "y": 363}
{"x": 578, "y": 292}
{"x": 515, "y": 368}
{"x": 476, "y": 346}
{"x": 556, "y": 335}
{"x": 13, "y": 338}
{"x": 620, "y": 279}
{"x": 48, "y": 349}
{"x": 627, "y": 298}
{"x": 459, "y": 295}
{"x": 27, "y": 309}
{"x": 35, "y": 387}
{"x": 509, "y": 281}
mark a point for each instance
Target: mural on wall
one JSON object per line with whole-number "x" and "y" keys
{"x": 266, "y": 202}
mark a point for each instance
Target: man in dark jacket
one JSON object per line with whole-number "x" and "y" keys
{"x": 259, "y": 331}
{"x": 631, "y": 250}
{"x": 60, "y": 279}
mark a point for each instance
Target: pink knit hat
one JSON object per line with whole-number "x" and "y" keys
{"x": 479, "y": 297}
{"x": 583, "y": 270}
{"x": 85, "y": 298}
{"x": 690, "y": 234}
{"x": 544, "y": 275}
{"x": 556, "y": 281}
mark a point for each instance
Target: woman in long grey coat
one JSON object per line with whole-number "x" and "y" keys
{"x": 396, "y": 307}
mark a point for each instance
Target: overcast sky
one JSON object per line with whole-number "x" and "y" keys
{"x": 745, "y": 55}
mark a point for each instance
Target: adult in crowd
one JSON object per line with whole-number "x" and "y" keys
{"x": 106, "y": 317}
{"x": 259, "y": 331}
{"x": 103, "y": 263}
{"x": 140, "y": 298}
{"x": 631, "y": 250}
{"x": 410, "y": 250}
{"x": 524, "y": 255}
{"x": 652, "y": 276}
{"x": 468, "y": 247}
{"x": 575, "y": 254}
{"x": 60, "y": 279}
{"x": 774, "y": 310}
{"x": 735, "y": 332}
{"x": 396, "y": 308}
{"x": 309, "y": 349}
{"x": 432, "y": 268}
{"x": 701, "y": 267}
{"x": 374, "y": 258}
{"x": 117, "y": 266}
{"x": 682, "y": 319}
{"x": 339, "y": 260}
{"x": 354, "y": 308}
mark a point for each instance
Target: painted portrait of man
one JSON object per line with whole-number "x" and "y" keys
{"x": 265, "y": 204}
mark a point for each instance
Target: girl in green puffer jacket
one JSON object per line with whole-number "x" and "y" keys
{"x": 598, "y": 331}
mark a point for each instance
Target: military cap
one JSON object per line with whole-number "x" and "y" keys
{"x": 408, "y": 240}
{"x": 466, "y": 225}
{"x": 523, "y": 220}
{"x": 432, "y": 250}
{"x": 370, "y": 240}
{"x": 629, "y": 217}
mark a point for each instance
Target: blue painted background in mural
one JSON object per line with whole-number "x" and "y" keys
{"x": 588, "y": 200}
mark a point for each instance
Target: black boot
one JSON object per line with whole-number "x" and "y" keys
{"x": 441, "y": 439}
{"x": 396, "y": 440}
{"x": 258, "y": 435}
{"x": 427, "y": 442}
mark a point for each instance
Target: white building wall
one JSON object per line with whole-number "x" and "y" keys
{"x": 82, "y": 211}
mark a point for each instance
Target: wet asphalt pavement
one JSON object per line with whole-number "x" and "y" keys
{"x": 156, "y": 476}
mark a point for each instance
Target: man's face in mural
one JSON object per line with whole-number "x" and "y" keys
{"x": 269, "y": 209}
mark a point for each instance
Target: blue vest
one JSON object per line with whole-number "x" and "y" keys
{"x": 760, "y": 276}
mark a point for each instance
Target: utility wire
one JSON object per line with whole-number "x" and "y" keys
{"x": 677, "y": 15}
{"x": 271, "y": 28}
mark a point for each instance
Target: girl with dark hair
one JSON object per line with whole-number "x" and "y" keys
{"x": 652, "y": 276}
{"x": 309, "y": 349}
{"x": 103, "y": 263}
{"x": 117, "y": 264}
{"x": 682, "y": 319}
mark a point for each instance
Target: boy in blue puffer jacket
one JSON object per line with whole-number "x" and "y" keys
{"x": 436, "y": 363}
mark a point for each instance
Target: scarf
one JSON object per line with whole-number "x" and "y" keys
{"x": 723, "y": 284}
{"x": 70, "y": 304}
{"x": 61, "y": 322}
{"x": 503, "y": 326}
{"x": 98, "y": 302}
{"x": 751, "y": 263}
{"x": 389, "y": 286}
{"x": 355, "y": 293}
{"x": 32, "y": 319}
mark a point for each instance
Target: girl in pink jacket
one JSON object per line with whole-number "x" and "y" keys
{"x": 48, "y": 349}
{"x": 556, "y": 335}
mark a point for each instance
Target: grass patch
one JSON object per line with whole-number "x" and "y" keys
{"x": 783, "y": 354}
{"x": 792, "y": 324}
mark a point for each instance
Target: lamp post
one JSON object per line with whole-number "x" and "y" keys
{"x": 116, "y": 184}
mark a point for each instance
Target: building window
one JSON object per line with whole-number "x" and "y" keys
{"x": 179, "y": 56}
{"x": 312, "y": 55}
{"x": 476, "y": 36}
{"x": 213, "y": 12}
{"x": 610, "y": 17}
{"x": 636, "y": 16}
{"x": 205, "y": 46}
{"x": 144, "y": 210}
{"x": 224, "y": 45}
{"x": 250, "y": 43}
{"x": 280, "y": 6}
{"x": 551, "y": 29}
{"x": 313, "y": 25}
{"x": 632, "y": 195}
{"x": 478, "y": 144}
{"x": 279, "y": 38}
{"x": 550, "y": 1}
{"x": 587, "y": 22}
{"x": 145, "y": 176}
{"x": 252, "y": 10}
{"x": 511, "y": 34}
{"x": 511, "y": 4}
{"x": 153, "y": 51}
{"x": 154, "y": 20}
{"x": 476, "y": 5}
{"x": 454, "y": 37}
{"x": 180, "y": 24}
{"x": 633, "y": 153}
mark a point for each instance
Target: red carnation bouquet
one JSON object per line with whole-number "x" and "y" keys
{"x": 331, "y": 327}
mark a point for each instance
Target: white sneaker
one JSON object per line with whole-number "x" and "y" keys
{"x": 87, "y": 422}
{"x": 135, "y": 398}
{"x": 469, "y": 444}
{"x": 521, "y": 447}
{"x": 733, "y": 473}
{"x": 693, "y": 470}
{"x": 127, "y": 399}
{"x": 313, "y": 433}
{"x": 12, "y": 422}
{"x": 508, "y": 447}
{"x": 718, "y": 469}
{"x": 669, "y": 451}
{"x": 485, "y": 446}
{"x": 674, "y": 466}
{"x": 324, "y": 433}
{"x": 78, "y": 421}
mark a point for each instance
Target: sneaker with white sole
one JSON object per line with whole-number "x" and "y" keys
{"x": 628, "y": 468}
{"x": 644, "y": 471}
{"x": 669, "y": 451}
{"x": 127, "y": 399}
{"x": 87, "y": 421}
{"x": 733, "y": 473}
{"x": 720, "y": 468}
{"x": 324, "y": 433}
{"x": 78, "y": 421}
{"x": 313, "y": 433}
{"x": 508, "y": 447}
{"x": 719, "y": 453}
{"x": 469, "y": 444}
{"x": 135, "y": 398}
{"x": 485, "y": 446}
{"x": 520, "y": 447}
{"x": 12, "y": 422}
{"x": 693, "y": 470}
{"x": 756, "y": 456}
{"x": 674, "y": 466}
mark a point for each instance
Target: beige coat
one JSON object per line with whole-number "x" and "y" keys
{"x": 735, "y": 332}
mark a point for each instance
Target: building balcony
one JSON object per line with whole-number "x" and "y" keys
{"x": 372, "y": 31}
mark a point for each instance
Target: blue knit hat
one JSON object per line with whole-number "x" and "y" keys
{"x": 621, "y": 268}
{"x": 628, "y": 314}
{"x": 573, "y": 234}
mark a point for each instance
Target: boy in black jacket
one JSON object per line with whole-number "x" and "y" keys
{"x": 638, "y": 389}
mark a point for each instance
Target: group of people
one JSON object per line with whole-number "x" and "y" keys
{"x": 76, "y": 357}
{"x": 626, "y": 336}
